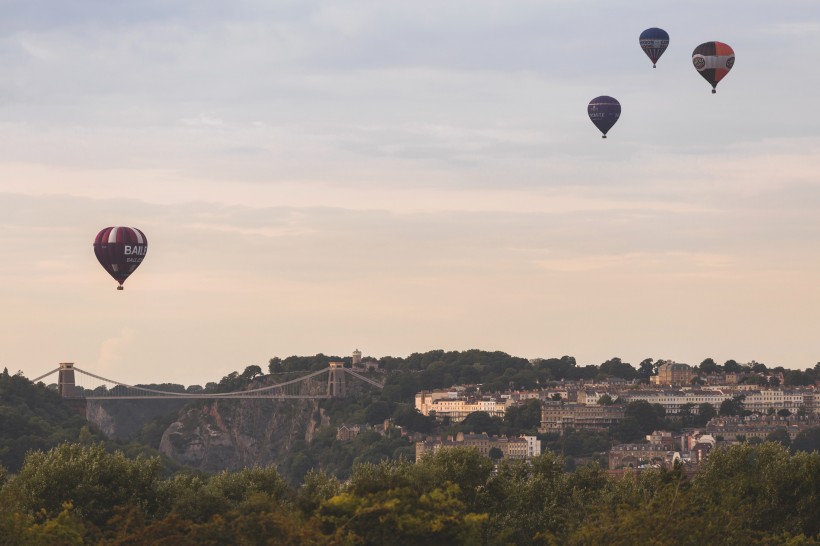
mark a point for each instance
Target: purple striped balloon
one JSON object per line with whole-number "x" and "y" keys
{"x": 120, "y": 250}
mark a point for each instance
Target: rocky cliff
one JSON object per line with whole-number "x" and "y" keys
{"x": 234, "y": 434}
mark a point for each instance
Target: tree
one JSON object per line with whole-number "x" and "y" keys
{"x": 797, "y": 378}
{"x": 275, "y": 365}
{"x": 615, "y": 368}
{"x": 643, "y": 414}
{"x": 605, "y": 400}
{"x": 727, "y": 408}
{"x": 762, "y": 488}
{"x": 480, "y": 421}
{"x": 708, "y": 366}
{"x": 685, "y": 414}
{"x": 733, "y": 406}
{"x": 496, "y": 454}
{"x": 780, "y": 436}
{"x": 645, "y": 369}
{"x": 251, "y": 371}
{"x": 730, "y": 366}
{"x": 783, "y": 412}
{"x": 706, "y": 412}
{"x": 807, "y": 440}
{"x": 94, "y": 481}
{"x": 524, "y": 417}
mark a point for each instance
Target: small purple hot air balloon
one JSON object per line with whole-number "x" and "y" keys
{"x": 604, "y": 111}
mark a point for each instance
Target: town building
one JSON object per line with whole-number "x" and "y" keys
{"x": 673, "y": 373}
{"x": 522, "y": 447}
{"x": 558, "y": 416}
{"x": 455, "y": 405}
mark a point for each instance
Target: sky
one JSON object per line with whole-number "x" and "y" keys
{"x": 317, "y": 176}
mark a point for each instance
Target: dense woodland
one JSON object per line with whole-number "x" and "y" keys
{"x": 81, "y": 494}
{"x": 62, "y": 482}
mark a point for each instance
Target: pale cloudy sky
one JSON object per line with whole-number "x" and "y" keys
{"x": 317, "y": 176}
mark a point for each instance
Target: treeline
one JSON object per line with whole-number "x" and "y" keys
{"x": 32, "y": 418}
{"x": 498, "y": 371}
{"x": 76, "y": 494}
{"x": 35, "y": 418}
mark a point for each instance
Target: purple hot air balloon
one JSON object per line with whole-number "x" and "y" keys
{"x": 120, "y": 250}
{"x": 604, "y": 111}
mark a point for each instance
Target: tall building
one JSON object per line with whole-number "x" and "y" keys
{"x": 672, "y": 373}
{"x": 357, "y": 357}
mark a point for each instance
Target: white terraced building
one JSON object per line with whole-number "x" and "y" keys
{"x": 456, "y": 406}
{"x": 756, "y": 400}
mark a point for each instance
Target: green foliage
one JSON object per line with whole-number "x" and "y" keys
{"x": 769, "y": 490}
{"x": 807, "y": 440}
{"x": 478, "y": 422}
{"x": 615, "y": 368}
{"x": 780, "y": 436}
{"x": 646, "y": 416}
{"x": 199, "y": 499}
{"x": 337, "y": 458}
{"x": 523, "y": 419}
{"x": 744, "y": 495}
{"x": 706, "y": 412}
{"x": 33, "y": 417}
{"x": 93, "y": 480}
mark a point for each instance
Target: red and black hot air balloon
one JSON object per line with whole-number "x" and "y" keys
{"x": 713, "y": 60}
{"x": 120, "y": 250}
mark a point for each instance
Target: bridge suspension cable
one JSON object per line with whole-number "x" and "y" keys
{"x": 303, "y": 387}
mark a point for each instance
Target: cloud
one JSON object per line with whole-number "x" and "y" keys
{"x": 113, "y": 350}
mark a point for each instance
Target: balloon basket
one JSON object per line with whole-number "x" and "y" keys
{"x": 714, "y": 91}
{"x": 119, "y": 288}
{"x": 603, "y": 136}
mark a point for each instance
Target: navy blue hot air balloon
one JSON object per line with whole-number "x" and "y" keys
{"x": 604, "y": 112}
{"x": 654, "y": 42}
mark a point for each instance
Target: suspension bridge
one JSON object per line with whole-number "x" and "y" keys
{"x": 74, "y": 383}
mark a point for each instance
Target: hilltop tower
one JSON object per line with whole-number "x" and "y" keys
{"x": 357, "y": 357}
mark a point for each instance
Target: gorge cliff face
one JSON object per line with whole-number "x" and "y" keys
{"x": 234, "y": 434}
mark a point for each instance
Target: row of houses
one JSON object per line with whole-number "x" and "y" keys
{"x": 521, "y": 447}
{"x": 580, "y": 408}
{"x": 664, "y": 449}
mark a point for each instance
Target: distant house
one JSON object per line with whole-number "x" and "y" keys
{"x": 640, "y": 455}
{"x": 346, "y": 433}
{"x": 673, "y": 373}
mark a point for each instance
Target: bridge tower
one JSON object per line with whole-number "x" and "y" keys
{"x": 65, "y": 380}
{"x": 336, "y": 380}
{"x": 68, "y": 389}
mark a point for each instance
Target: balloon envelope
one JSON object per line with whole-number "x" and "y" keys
{"x": 120, "y": 250}
{"x": 654, "y": 42}
{"x": 604, "y": 111}
{"x": 713, "y": 60}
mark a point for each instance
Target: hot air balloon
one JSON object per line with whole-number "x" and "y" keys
{"x": 604, "y": 112}
{"x": 120, "y": 250}
{"x": 654, "y": 42}
{"x": 713, "y": 60}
